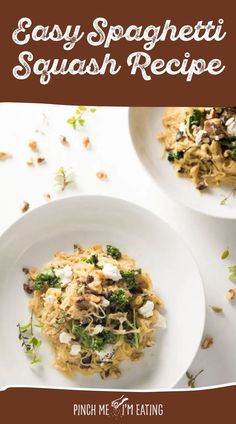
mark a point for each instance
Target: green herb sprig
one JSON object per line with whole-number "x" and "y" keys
{"x": 113, "y": 252}
{"x": 29, "y": 342}
{"x": 225, "y": 254}
{"x": 118, "y": 297}
{"x": 172, "y": 156}
{"x": 232, "y": 273}
{"x": 78, "y": 120}
{"x": 192, "y": 378}
{"x": 46, "y": 279}
{"x": 130, "y": 277}
{"x": 64, "y": 177}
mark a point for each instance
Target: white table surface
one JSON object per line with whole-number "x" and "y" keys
{"x": 112, "y": 151}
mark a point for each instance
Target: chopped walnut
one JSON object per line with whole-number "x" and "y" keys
{"x": 25, "y": 207}
{"x": 63, "y": 140}
{"x": 207, "y": 342}
{"x": 33, "y": 145}
{"x": 5, "y": 155}
{"x": 30, "y": 162}
{"x": 47, "y": 196}
{"x": 102, "y": 175}
{"x": 135, "y": 356}
{"x": 86, "y": 142}
{"x": 231, "y": 293}
{"x": 40, "y": 160}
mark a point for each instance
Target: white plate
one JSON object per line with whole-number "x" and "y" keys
{"x": 145, "y": 123}
{"x": 33, "y": 240}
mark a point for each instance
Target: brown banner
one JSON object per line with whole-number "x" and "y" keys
{"x": 66, "y": 406}
{"x": 121, "y": 88}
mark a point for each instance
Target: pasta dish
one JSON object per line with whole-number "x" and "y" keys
{"x": 201, "y": 144}
{"x": 96, "y": 308}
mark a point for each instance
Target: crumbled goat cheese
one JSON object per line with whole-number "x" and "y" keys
{"x": 111, "y": 272}
{"x": 75, "y": 349}
{"x": 231, "y": 126}
{"x": 64, "y": 274}
{"x": 147, "y": 309}
{"x": 105, "y": 302}
{"x": 96, "y": 330}
{"x": 161, "y": 321}
{"x": 65, "y": 338}
{"x": 182, "y": 128}
{"x": 106, "y": 353}
{"x": 200, "y": 136}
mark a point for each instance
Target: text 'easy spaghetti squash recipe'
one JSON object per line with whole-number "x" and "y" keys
{"x": 201, "y": 144}
{"x": 95, "y": 307}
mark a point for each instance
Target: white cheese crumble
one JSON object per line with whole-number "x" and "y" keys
{"x": 96, "y": 330}
{"x": 64, "y": 274}
{"x": 231, "y": 126}
{"x": 182, "y": 128}
{"x": 106, "y": 353}
{"x": 75, "y": 349}
{"x": 200, "y": 136}
{"x": 161, "y": 321}
{"x": 65, "y": 338}
{"x": 112, "y": 272}
{"x": 105, "y": 302}
{"x": 147, "y": 309}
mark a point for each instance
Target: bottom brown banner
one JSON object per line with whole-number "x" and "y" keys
{"x": 30, "y": 405}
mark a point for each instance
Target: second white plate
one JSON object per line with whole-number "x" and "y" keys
{"x": 145, "y": 124}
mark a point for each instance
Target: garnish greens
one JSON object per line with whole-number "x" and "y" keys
{"x": 172, "y": 156}
{"x": 226, "y": 198}
{"x": 133, "y": 338}
{"x": 64, "y": 177}
{"x": 232, "y": 273}
{"x": 47, "y": 278}
{"x": 113, "y": 252}
{"x": 225, "y": 254}
{"x": 92, "y": 260}
{"x": 130, "y": 277}
{"x": 195, "y": 118}
{"x": 78, "y": 120}
{"x": 118, "y": 297}
{"x": 29, "y": 342}
{"x": 192, "y": 378}
{"x": 93, "y": 342}
{"x": 216, "y": 309}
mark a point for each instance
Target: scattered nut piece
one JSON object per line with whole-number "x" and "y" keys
{"x": 33, "y": 145}
{"x": 25, "y": 207}
{"x": 231, "y": 293}
{"x": 40, "y": 160}
{"x": 102, "y": 175}
{"x": 30, "y": 162}
{"x": 86, "y": 142}
{"x": 47, "y": 196}
{"x": 5, "y": 155}
{"x": 207, "y": 342}
{"x": 63, "y": 140}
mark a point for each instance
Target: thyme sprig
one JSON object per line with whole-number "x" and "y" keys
{"x": 29, "y": 342}
{"x": 78, "y": 119}
{"x": 192, "y": 378}
{"x": 232, "y": 193}
{"x": 64, "y": 177}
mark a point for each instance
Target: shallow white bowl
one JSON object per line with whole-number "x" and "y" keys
{"x": 33, "y": 240}
{"x": 145, "y": 123}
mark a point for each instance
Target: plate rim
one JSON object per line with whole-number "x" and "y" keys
{"x": 175, "y": 199}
